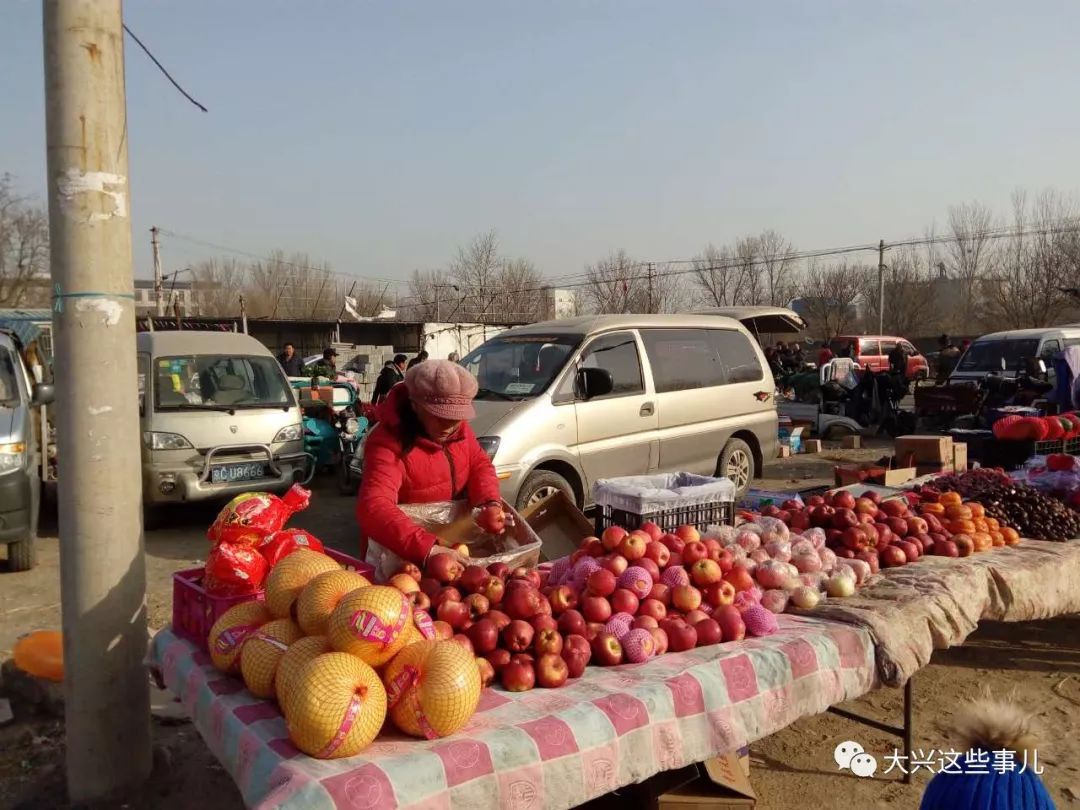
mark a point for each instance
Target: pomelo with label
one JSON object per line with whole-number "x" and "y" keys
{"x": 372, "y": 623}
{"x": 432, "y": 688}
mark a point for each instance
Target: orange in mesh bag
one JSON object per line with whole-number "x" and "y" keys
{"x": 432, "y": 688}
{"x": 250, "y": 517}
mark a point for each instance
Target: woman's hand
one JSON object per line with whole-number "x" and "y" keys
{"x": 492, "y": 519}
{"x": 437, "y": 549}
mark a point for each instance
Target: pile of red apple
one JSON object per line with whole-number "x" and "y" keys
{"x": 621, "y": 598}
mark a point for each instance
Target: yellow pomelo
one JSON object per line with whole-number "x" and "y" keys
{"x": 336, "y": 706}
{"x": 371, "y": 623}
{"x": 231, "y": 630}
{"x": 294, "y": 659}
{"x": 288, "y": 578}
{"x": 321, "y": 595}
{"x": 433, "y": 688}
{"x": 262, "y": 653}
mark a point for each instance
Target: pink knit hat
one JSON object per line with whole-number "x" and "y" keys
{"x": 442, "y": 388}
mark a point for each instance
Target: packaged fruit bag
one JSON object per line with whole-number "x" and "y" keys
{"x": 249, "y": 518}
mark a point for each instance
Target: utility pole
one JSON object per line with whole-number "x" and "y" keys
{"x": 155, "y": 248}
{"x": 437, "y": 312}
{"x": 102, "y": 565}
{"x": 649, "y": 277}
{"x": 881, "y": 286}
{"x": 243, "y": 313}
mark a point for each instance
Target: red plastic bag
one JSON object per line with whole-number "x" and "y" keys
{"x": 248, "y": 519}
{"x": 283, "y": 543}
{"x": 233, "y": 570}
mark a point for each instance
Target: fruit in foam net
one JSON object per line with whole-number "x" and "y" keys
{"x": 432, "y": 689}
{"x": 262, "y": 653}
{"x": 288, "y": 578}
{"x": 299, "y": 653}
{"x": 638, "y": 645}
{"x": 336, "y": 707}
{"x": 231, "y": 630}
{"x": 370, "y": 623}
{"x": 321, "y": 595}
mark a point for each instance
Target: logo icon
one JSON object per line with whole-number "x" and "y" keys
{"x": 850, "y": 755}
{"x": 233, "y": 428}
{"x": 762, "y": 396}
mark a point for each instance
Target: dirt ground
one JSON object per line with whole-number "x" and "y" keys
{"x": 1038, "y": 663}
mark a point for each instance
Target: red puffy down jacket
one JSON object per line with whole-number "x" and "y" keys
{"x": 428, "y": 472}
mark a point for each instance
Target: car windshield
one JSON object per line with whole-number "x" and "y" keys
{"x": 215, "y": 382}
{"x": 9, "y": 384}
{"x": 986, "y": 355}
{"x": 519, "y": 367}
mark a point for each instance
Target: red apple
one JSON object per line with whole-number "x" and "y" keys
{"x": 463, "y": 640}
{"x": 532, "y": 576}
{"x": 799, "y": 521}
{"x": 674, "y": 543}
{"x": 897, "y": 525}
{"x": 493, "y": 588}
{"x": 708, "y": 632}
{"x": 633, "y": 546}
{"x": 625, "y": 601}
{"x": 499, "y": 569}
{"x": 499, "y": 658}
{"x": 695, "y": 550}
{"x": 498, "y": 618}
{"x": 547, "y": 641}
{"x": 595, "y": 609}
{"x": 615, "y": 563}
{"x": 592, "y": 629}
{"x": 845, "y": 552}
{"x": 872, "y": 496}
{"x": 685, "y": 598}
{"x": 612, "y": 537}
{"x": 644, "y": 620}
{"x": 483, "y": 635}
{"x": 447, "y": 594}
{"x": 443, "y": 631}
{"x": 740, "y": 578}
{"x": 681, "y": 636}
{"x": 653, "y": 608}
{"x": 650, "y": 566}
{"x": 518, "y": 676}
{"x": 487, "y": 672}
{"x": 892, "y": 556}
{"x": 572, "y": 622}
{"x": 965, "y": 545}
{"x": 731, "y": 623}
{"x": 660, "y": 641}
{"x": 916, "y": 525}
{"x": 676, "y": 560}
{"x": 946, "y": 548}
{"x": 855, "y": 538}
{"x": 661, "y": 593}
{"x": 411, "y": 570}
{"x": 455, "y": 614}
{"x": 725, "y": 560}
{"x": 422, "y": 601}
{"x": 705, "y": 572}
{"x": 601, "y": 583}
{"x": 815, "y": 500}
{"x": 593, "y": 547}
{"x": 694, "y": 616}
{"x": 865, "y": 506}
{"x": 522, "y": 603}
{"x": 542, "y": 622}
{"x": 472, "y": 577}
{"x": 477, "y": 604}
{"x": 712, "y": 545}
{"x": 444, "y": 567}
{"x": 844, "y": 500}
{"x": 870, "y": 557}
{"x": 658, "y": 553}
{"x": 576, "y": 653}
{"x": 844, "y": 518}
{"x": 518, "y": 636}
{"x": 606, "y": 650}
{"x": 719, "y": 593}
{"x": 562, "y": 599}
{"x": 688, "y": 533}
{"x": 910, "y": 549}
{"x": 894, "y": 507}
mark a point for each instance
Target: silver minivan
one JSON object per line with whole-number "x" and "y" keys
{"x": 564, "y": 403}
{"x": 1007, "y": 353}
{"x": 218, "y": 417}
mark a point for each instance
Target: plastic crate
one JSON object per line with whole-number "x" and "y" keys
{"x": 195, "y": 610}
{"x": 1010, "y": 454}
{"x": 669, "y": 501}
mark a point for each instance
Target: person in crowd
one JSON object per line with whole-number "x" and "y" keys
{"x": 798, "y": 359}
{"x": 825, "y": 355}
{"x": 453, "y": 357}
{"x": 998, "y": 766}
{"x": 898, "y": 361}
{"x": 421, "y": 451}
{"x": 420, "y": 358}
{"x": 326, "y": 368}
{"x": 291, "y": 362}
{"x": 948, "y": 357}
{"x": 392, "y": 373}
{"x": 845, "y": 350}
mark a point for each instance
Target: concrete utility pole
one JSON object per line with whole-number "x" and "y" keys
{"x": 649, "y": 276}
{"x": 155, "y": 247}
{"x": 102, "y": 566}
{"x": 881, "y": 286}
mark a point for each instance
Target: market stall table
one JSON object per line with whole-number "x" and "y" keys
{"x": 543, "y": 748}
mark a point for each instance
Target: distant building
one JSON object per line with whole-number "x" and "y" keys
{"x": 560, "y": 304}
{"x": 172, "y": 293}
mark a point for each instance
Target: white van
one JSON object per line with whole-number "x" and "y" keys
{"x": 564, "y": 403}
{"x": 217, "y": 417}
{"x": 987, "y": 353}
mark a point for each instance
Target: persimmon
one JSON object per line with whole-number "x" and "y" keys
{"x": 957, "y": 512}
{"x": 993, "y": 523}
{"x": 998, "y": 538}
{"x": 977, "y": 509}
{"x": 961, "y": 527}
{"x": 983, "y": 541}
{"x": 1012, "y": 537}
{"x": 932, "y": 509}
{"x": 949, "y": 498}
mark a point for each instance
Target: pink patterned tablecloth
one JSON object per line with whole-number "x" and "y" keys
{"x": 544, "y": 748}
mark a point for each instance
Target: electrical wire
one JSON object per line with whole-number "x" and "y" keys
{"x": 161, "y": 67}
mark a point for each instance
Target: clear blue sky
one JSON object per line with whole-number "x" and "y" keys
{"x": 381, "y": 135}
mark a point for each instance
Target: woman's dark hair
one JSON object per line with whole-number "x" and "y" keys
{"x": 409, "y": 427}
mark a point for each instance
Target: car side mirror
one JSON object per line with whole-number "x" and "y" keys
{"x": 594, "y": 382}
{"x": 43, "y": 394}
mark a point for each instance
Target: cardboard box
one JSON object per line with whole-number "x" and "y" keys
{"x": 812, "y": 446}
{"x": 924, "y": 450}
{"x": 851, "y": 442}
{"x": 959, "y": 457}
{"x": 724, "y": 782}
{"x": 933, "y": 469}
{"x": 783, "y": 451}
{"x": 559, "y": 524}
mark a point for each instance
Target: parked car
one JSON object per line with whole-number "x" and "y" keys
{"x": 218, "y": 417}
{"x": 565, "y": 403}
{"x": 873, "y": 353}
{"x": 20, "y": 454}
{"x": 1005, "y": 352}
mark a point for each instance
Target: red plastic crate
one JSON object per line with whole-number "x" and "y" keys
{"x": 195, "y": 610}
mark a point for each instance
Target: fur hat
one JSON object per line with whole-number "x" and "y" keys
{"x": 442, "y": 388}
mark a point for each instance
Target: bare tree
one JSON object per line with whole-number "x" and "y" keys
{"x": 755, "y": 270}
{"x": 218, "y": 285}
{"x": 611, "y": 284}
{"x": 24, "y": 246}
{"x": 776, "y": 268}
{"x": 970, "y": 253}
{"x": 830, "y": 295}
{"x": 721, "y": 281}
{"x": 911, "y": 306}
{"x": 427, "y": 298}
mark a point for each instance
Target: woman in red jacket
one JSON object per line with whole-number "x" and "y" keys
{"x": 422, "y": 450}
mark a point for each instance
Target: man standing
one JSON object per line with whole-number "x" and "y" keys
{"x": 326, "y": 368}
{"x": 291, "y": 362}
{"x": 393, "y": 373}
{"x": 420, "y": 358}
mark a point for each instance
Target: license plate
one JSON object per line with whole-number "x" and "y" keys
{"x": 230, "y": 473}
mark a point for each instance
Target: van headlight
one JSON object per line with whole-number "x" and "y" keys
{"x": 352, "y": 425}
{"x": 490, "y": 445}
{"x": 165, "y": 441}
{"x": 11, "y": 456}
{"x": 290, "y": 433}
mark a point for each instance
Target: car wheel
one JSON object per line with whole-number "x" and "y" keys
{"x": 737, "y": 464}
{"x": 22, "y": 556}
{"x": 542, "y": 484}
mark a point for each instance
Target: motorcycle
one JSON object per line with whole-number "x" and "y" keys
{"x": 352, "y": 428}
